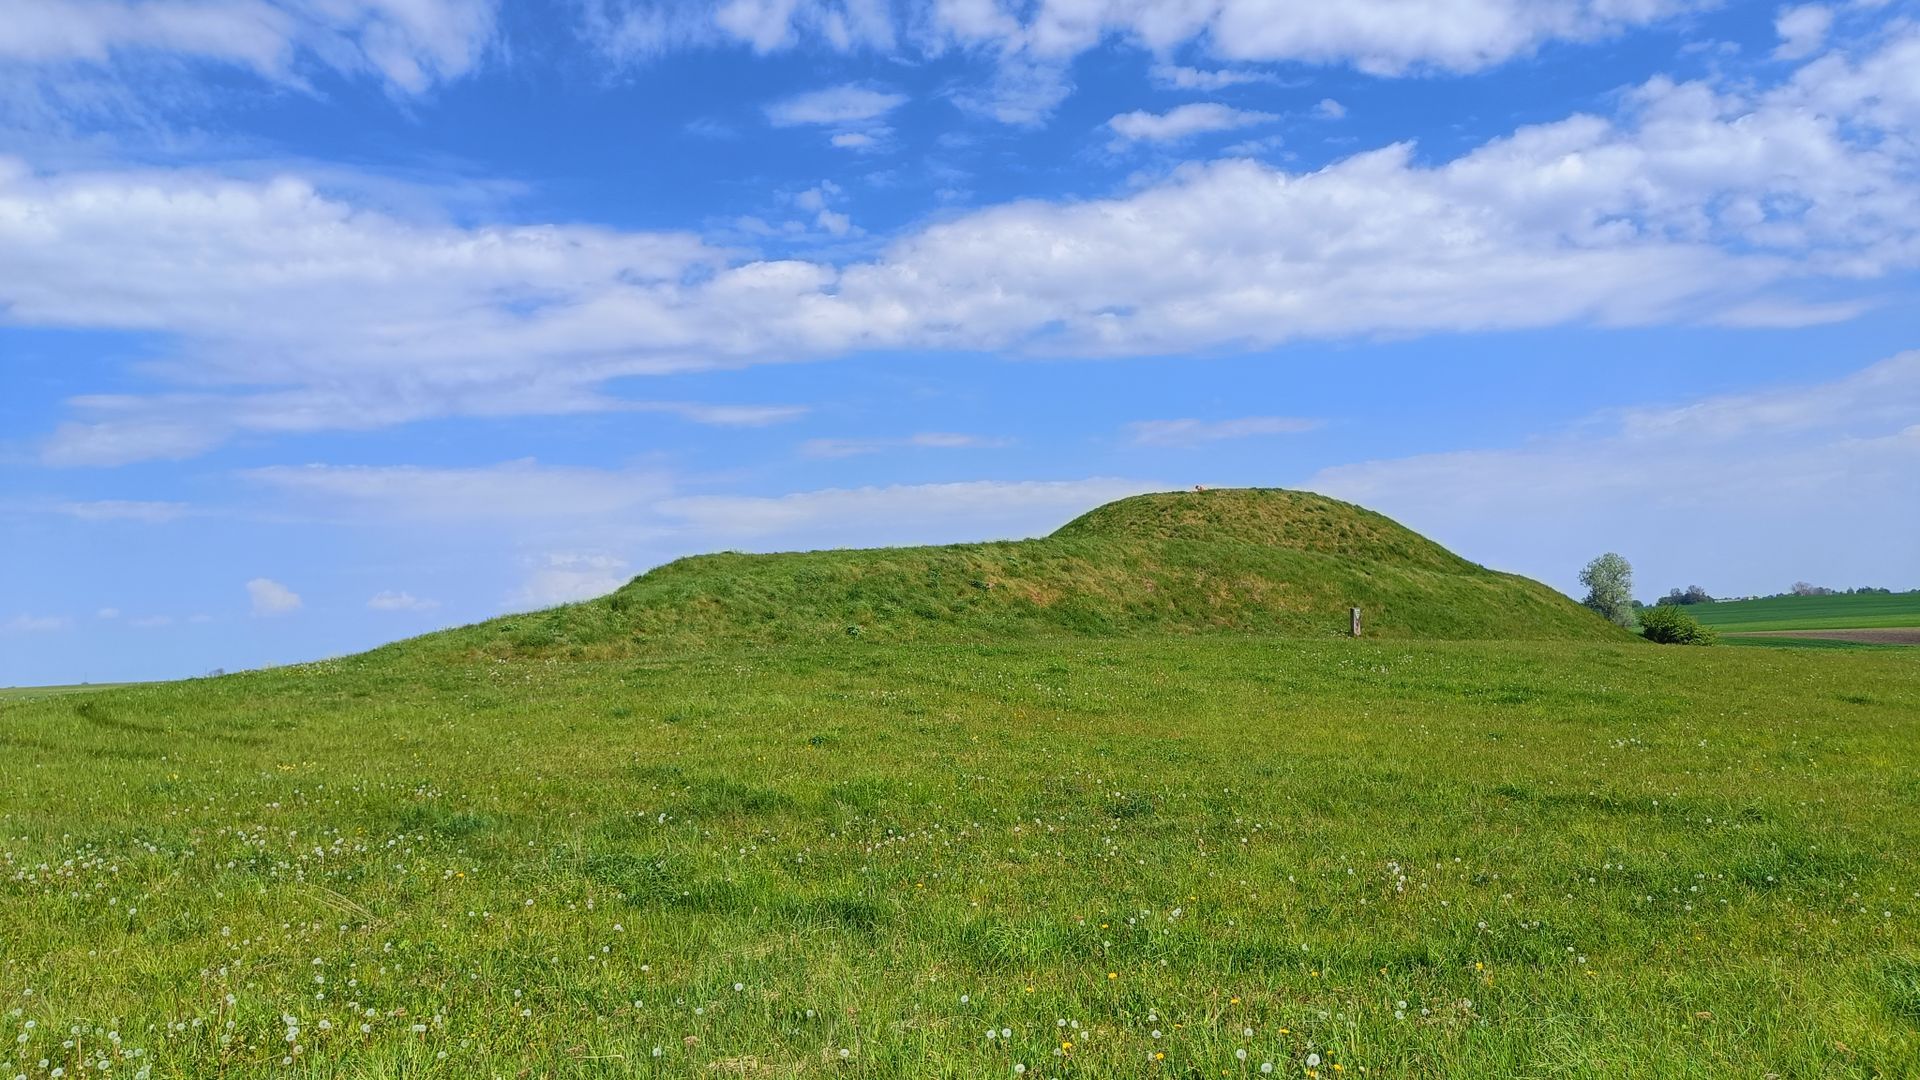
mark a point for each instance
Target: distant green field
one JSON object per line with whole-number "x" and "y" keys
{"x": 28, "y": 693}
{"x": 1811, "y": 613}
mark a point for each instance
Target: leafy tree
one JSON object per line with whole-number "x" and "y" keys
{"x": 1609, "y": 582}
{"x": 1668, "y": 625}
{"x": 1692, "y": 594}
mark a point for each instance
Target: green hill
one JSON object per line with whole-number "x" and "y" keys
{"x": 1247, "y": 560}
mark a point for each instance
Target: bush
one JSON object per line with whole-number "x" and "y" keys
{"x": 1669, "y": 625}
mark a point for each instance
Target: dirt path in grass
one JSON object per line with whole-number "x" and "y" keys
{"x": 1891, "y": 635}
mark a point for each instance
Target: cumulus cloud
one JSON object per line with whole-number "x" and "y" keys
{"x": 1697, "y": 202}
{"x": 400, "y": 601}
{"x": 1802, "y": 30}
{"x": 1188, "y": 432}
{"x": 410, "y": 45}
{"x": 1781, "y": 473}
{"x": 269, "y": 597}
{"x": 1183, "y": 121}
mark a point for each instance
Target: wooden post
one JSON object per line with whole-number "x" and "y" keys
{"x": 1355, "y": 612}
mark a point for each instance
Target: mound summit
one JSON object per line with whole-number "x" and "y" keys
{"x": 1251, "y": 560}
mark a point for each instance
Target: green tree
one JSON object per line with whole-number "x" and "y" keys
{"x": 1609, "y": 582}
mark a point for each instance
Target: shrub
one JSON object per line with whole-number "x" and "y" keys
{"x": 1669, "y": 625}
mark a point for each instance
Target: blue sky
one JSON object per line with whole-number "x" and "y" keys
{"x": 326, "y": 322}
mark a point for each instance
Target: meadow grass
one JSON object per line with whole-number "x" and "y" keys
{"x": 1861, "y": 611}
{"x": 1084, "y": 858}
{"x": 24, "y": 693}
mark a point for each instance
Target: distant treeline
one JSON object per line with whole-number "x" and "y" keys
{"x": 1694, "y": 594}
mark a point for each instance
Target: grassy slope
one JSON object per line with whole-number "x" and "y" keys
{"x": 1811, "y": 612}
{"x": 1261, "y": 561}
{"x": 1566, "y": 859}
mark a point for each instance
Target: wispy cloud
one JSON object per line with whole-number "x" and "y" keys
{"x": 124, "y": 510}
{"x": 400, "y": 601}
{"x": 410, "y": 47}
{"x": 930, "y": 440}
{"x": 1188, "y": 78}
{"x": 1184, "y": 121}
{"x": 34, "y": 624}
{"x": 1792, "y": 464}
{"x": 836, "y": 106}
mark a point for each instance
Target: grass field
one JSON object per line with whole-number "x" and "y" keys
{"x": 1182, "y": 857}
{"x": 1858, "y": 612}
{"x": 25, "y": 693}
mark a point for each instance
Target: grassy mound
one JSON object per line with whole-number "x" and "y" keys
{"x": 1247, "y": 561}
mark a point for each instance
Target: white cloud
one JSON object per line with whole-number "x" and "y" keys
{"x": 1187, "y": 432}
{"x": 34, "y": 624}
{"x": 517, "y": 490}
{"x": 927, "y": 440}
{"x": 1187, "y": 78}
{"x": 408, "y": 44}
{"x": 837, "y": 106}
{"x": 1032, "y": 46}
{"x": 1780, "y": 473}
{"x": 854, "y": 113}
{"x": 1386, "y": 37}
{"x": 124, "y": 510}
{"x": 269, "y": 597}
{"x": 400, "y": 601}
{"x": 107, "y": 613}
{"x": 1699, "y": 202}
{"x": 1802, "y": 30}
{"x": 569, "y": 577}
{"x": 1329, "y": 109}
{"x": 1184, "y": 121}
{"x": 643, "y": 29}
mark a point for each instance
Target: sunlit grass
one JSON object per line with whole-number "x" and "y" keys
{"x": 1128, "y": 858}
